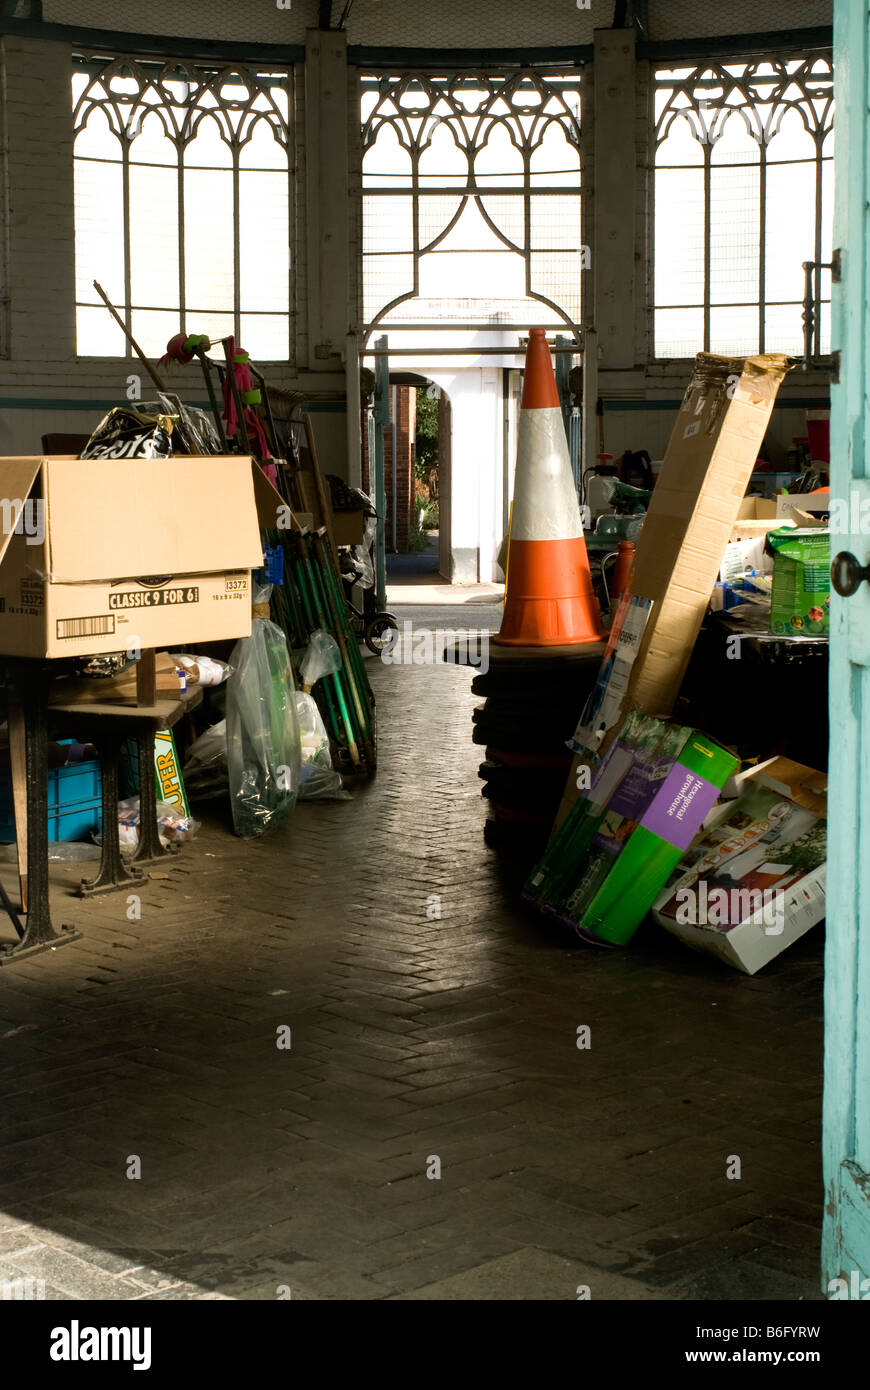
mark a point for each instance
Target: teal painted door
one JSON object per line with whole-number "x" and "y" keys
{"x": 846, "y": 1134}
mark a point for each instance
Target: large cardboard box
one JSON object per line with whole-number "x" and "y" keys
{"x": 102, "y": 555}
{"x": 753, "y": 880}
{"x": 705, "y": 472}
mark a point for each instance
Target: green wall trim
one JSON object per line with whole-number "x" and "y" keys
{"x": 789, "y": 402}
{"x": 315, "y": 407}
{"x": 58, "y": 403}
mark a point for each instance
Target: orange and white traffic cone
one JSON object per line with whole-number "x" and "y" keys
{"x": 549, "y": 600}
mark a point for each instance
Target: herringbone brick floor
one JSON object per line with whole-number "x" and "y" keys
{"x": 414, "y": 1041}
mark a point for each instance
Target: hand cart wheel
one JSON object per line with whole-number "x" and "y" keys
{"x": 376, "y": 632}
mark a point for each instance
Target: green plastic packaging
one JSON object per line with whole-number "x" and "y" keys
{"x": 655, "y": 848}
{"x": 801, "y": 594}
{"x": 554, "y": 877}
{"x": 658, "y": 748}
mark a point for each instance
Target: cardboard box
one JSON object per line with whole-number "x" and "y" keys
{"x": 754, "y": 878}
{"x": 167, "y": 772}
{"x": 697, "y": 499}
{"x": 349, "y": 527}
{"x": 102, "y": 555}
{"x": 746, "y": 547}
{"x": 797, "y": 506}
{"x": 669, "y": 811}
{"x": 707, "y": 467}
{"x": 756, "y": 516}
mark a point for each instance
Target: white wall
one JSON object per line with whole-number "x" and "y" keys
{"x": 475, "y": 465}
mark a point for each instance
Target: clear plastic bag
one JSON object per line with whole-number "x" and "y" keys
{"x": 202, "y": 670}
{"x": 173, "y": 826}
{"x": 322, "y": 658}
{"x": 263, "y": 748}
{"x": 317, "y": 777}
{"x": 59, "y": 851}
{"x": 205, "y": 768}
{"x": 356, "y": 560}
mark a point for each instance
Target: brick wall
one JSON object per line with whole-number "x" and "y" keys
{"x": 403, "y": 427}
{"x": 406, "y": 401}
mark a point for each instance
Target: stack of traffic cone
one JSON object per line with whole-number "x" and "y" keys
{"x": 550, "y": 643}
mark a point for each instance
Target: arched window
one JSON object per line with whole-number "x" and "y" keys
{"x": 743, "y": 196}
{"x": 472, "y": 213}
{"x": 182, "y": 204}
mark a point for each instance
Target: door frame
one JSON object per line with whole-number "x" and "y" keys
{"x": 846, "y": 1107}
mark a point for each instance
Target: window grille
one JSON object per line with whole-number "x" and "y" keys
{"x": 471, "y": 201}
{"x": 743, "y": 196}
{"x": 183, "y": 198}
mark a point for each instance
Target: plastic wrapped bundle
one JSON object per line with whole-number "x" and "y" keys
{"x": 129, "y": 433}
{"x": 322, "y": 658}
{"x": 263, "y": 742}
{"x": 318, "y": 778}
{"x": 205, "y": 770}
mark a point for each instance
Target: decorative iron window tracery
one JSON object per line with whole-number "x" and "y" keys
{"x": 741, "y": 228}
{"x": 533, "y": 211}
{"x": 181, "y": 128}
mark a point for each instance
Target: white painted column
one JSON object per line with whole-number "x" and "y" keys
{"x": 476, "y": 470}
{"x": 490, "y": 472}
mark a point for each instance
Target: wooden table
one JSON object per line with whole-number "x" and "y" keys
{"x": 108, "y": 726}
{"x": 32, "y": 680}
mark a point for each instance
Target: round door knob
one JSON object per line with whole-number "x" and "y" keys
{"x": 847, "y": 573}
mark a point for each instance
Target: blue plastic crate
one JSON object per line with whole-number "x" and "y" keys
{"x": 74, "y": 802}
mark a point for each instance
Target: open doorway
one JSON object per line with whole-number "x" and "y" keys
{"x": 417, "y": 478}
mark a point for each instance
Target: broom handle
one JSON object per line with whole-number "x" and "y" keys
{"x": 129, "y": 336}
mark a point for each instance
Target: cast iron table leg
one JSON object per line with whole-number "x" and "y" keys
{"x": 149, "y": 847}
{"x": 33, "y": 682}
{"x": 113, "y": 873}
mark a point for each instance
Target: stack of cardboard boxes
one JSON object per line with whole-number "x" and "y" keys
{"x": 698, "y": 515}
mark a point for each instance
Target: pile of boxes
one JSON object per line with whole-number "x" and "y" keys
{"x": 701, "y": 535}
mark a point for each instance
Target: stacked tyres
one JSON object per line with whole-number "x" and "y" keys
{"x": 533, "y": 702}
